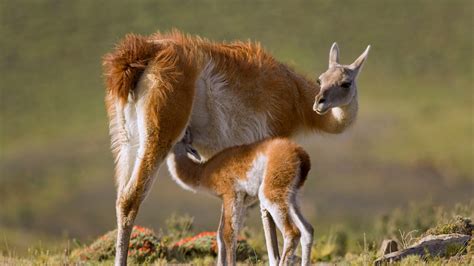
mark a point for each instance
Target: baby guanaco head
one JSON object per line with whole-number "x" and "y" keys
{"x": 338, "y": 83}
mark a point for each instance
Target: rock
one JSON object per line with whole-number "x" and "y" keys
{"x": 445, "y": 245}
{"x": 388, "y": 246}
{"x": 446, "y": 238}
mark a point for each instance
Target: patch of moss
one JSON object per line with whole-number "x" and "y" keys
{"x": 144, "y": 247}
{"x": 205, "y": 245}
{"x": 458, "y": 225}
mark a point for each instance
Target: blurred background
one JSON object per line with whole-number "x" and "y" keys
{"x": 412, "y": 143}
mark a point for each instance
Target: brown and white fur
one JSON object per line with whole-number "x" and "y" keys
{"x": 226, "y": 94}
{"x": 272, "y": 171}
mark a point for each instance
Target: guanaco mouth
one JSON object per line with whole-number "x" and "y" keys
{"x": 321, "y": 108}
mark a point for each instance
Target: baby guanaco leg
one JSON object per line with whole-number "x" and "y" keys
{"x": 231, "y": 219}
{"x": 306, "y": 233}
{"x": 291, "y": 234}
{"x": 291, "y": 237}
{"x": 270, "y": 236}
{"x": 220, "y": 239}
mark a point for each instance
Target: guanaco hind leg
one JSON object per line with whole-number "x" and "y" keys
{"x": 162, "y": 114}
{"x": 290, "y": 232}
{"x": 279, "y": 210}
{"x": 132, "y": 191}
{"x": 306, "y": 233}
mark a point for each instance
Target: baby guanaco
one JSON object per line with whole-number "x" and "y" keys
{"x": 272, "y": 171}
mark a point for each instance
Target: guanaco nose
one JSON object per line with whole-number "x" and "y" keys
{"x": 321, "y": 100}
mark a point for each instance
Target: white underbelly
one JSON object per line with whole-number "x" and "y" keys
{"x": 220, "y": 119}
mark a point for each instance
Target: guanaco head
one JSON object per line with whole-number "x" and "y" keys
{"x": 338, "y": 83}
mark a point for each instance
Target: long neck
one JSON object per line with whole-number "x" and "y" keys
{"x": 184, "y": 171}
{"x": 334, "y": 121}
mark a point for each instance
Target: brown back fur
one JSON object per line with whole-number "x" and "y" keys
{"x": 219, "y": 173}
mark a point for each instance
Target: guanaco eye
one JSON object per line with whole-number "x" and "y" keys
{"x": 318, "y": 81}
{"x": 346, "y": 85}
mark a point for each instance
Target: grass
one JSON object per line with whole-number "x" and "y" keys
{"x": 331, "y": 247}
{"x": 412, "y": 141}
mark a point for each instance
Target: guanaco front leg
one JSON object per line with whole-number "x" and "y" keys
{"x": 233, "y": 210}
{"x": 227, "y": 235}
{"x": 220, "y": 239}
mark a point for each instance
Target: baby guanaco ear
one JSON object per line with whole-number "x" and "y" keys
{"x": 359, "y": 62}
{"x": 334, "y": 55}
{"x": 193, "y": 152}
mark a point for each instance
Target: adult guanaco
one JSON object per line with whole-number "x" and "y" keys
{"x": 227, "y": 94}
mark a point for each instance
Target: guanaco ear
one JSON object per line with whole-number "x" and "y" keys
{"x": 359, "y": 62}
{"x": 334, "y": 55}
{"x": 192, "y": 152}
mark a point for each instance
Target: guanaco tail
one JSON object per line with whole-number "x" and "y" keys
{"x": 271, "y": 171}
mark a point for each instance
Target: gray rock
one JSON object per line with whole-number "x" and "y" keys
{"x": 431, "y": 245}
{"x": 388, "y": 246}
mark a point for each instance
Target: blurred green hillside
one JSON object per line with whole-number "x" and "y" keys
{"x": 413, "y": 140}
